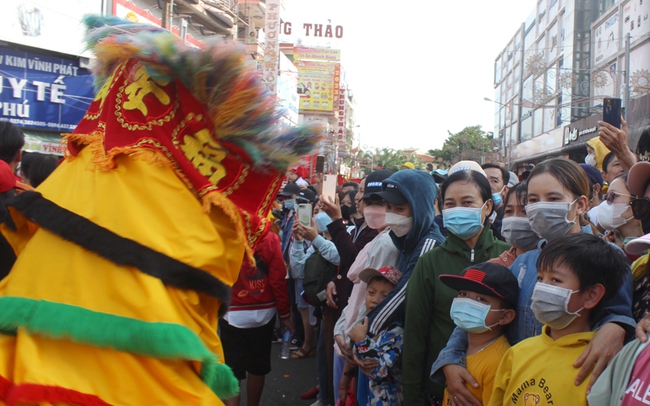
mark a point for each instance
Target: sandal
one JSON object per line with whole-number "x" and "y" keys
{"x": 301, "y": 353}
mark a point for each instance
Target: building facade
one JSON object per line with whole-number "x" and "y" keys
{"x": 552, "y": 76}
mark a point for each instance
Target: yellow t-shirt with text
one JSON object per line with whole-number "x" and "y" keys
{"x": 539, "y": 371}
{"x": 483, "y": 367}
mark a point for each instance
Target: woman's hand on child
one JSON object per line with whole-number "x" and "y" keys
{"x": 346, "y": 351}
{"x": 366, "y": 366}
{"x": 359, "y": 331}
{"x": 457, "y": 377}
{"x": 643, "y": 328}
{"x": 607, "y": 342}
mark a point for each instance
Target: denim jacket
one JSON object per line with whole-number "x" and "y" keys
{"x": 299, "y": 256}
{"x": 617, "y": 310}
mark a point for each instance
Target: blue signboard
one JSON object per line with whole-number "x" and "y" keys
{"x": 43, "y": 92}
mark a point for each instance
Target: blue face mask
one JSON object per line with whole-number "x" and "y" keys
{"x": 470, "y": 315}
{"x": 290, "y": 204}
{"x": 496, "y": 197}
{"x": 322, "y": 220}
{"x": 463, "y": 222}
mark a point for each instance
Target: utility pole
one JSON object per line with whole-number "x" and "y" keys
{"x": 167, "y": 12}
{"x": 626, "y": 92}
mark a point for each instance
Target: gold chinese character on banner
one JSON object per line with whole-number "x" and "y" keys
{"x": 142, "y": 86}
{"x": 206, "y": 156}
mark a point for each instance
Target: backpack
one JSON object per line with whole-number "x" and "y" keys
{"x": 318, "y": 273}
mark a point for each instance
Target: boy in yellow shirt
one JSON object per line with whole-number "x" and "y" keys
{"x": 576, "y": 275}
{"x": 487, "y": 296}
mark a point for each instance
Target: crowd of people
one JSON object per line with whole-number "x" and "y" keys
{"x": 474, "y": 286}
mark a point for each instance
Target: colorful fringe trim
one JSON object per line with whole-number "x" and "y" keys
{"x": 157, "y": 340}
{"x": 241, "y": 109}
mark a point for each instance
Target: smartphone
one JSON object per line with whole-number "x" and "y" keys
{"x": 329, "y": 188}
{"x": 304, "y": 214}
{"x": 612, "y": 111}
{"x": 320, "y": 164}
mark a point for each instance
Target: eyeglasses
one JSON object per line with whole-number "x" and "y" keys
{"x": 611, "y": 196}
{"x": 640, "y": 208}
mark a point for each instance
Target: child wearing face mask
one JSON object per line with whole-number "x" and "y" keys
{"x": 487, "y": 296}
{"x": 385, "y": 348}
{"x": 576, "y": 274}
{"x": 515, "y": 227}
{"x": 557, "y": 192}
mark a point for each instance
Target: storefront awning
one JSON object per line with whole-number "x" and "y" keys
{"x": 43, "y": 142}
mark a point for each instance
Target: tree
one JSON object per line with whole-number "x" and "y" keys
{"x": 383, "y": 158}
{"x": 471, "y": 143}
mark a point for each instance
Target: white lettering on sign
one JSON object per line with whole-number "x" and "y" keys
{"x": 38, "y": 65}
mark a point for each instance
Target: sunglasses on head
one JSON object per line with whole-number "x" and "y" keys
{"x": 640, "y": 208}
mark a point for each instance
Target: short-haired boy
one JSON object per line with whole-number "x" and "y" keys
{"x": 384, "y": 388}
{"x": 576, "y": 275}
{"x": 487, "y": 297}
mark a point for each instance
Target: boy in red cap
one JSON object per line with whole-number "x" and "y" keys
{"x": 487, "y": 296}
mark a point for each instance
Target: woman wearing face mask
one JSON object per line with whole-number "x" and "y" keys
{"x": 615, "y": 215}
{"x": 467, "y": 205}
{"x": 557, "y": 196}
{"x": 349, "y": 241}
{"x": 349, "y": 207}
{"x": 515, "y": 227}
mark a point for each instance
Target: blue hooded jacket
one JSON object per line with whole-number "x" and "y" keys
{"x": 419, "y": 189}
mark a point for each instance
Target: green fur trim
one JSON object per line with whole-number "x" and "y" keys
{"x": 103, "y": 330}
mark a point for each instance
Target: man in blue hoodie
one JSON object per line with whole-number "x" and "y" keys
{"x": 409, "y": 198}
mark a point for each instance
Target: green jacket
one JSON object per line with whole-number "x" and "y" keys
{"x": 428, "y": 324}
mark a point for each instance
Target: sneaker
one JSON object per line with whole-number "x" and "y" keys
{"x": 320, "y": 403}
{"x": 310, "y": 394}
{"x": 295, "y": 344}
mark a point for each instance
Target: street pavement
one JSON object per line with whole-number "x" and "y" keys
{"x": 287, "y": 380}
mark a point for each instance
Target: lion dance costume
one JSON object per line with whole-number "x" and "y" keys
{"x": 124, "y": 257}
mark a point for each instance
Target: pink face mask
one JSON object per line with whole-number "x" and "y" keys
{"x": 375, "y": 217}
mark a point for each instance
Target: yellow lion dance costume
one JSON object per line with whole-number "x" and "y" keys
{"x": 123, "y": 258}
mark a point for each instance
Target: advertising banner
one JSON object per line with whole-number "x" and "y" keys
{"x": 43, "y": 92}
{"x": 288, "y": 91}
{"x": 271, "y": 46}
{"x": 606, "y": 39}
{"x": 316, "y": 54}
{"x": 47, "y": 24}
{"x": 318, "y": 84}
{"x": 341, "y": 119}
{"x": 635, "y": 19}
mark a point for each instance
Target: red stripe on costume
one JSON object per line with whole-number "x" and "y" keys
{"x": 33, "y": 393}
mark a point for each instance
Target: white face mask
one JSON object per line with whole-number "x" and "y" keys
{"x": 591, "y": 160}
{"x": 550, "y": 305}
{"x": 400, "y": 225}
{"x": 610, "y": 215}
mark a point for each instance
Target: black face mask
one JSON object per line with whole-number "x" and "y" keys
{"x": 345, "y": 212}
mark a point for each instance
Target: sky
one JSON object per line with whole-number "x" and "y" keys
{"x": 418, "y": 69}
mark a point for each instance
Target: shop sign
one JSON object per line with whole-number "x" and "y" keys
{"x": 43, "y": 92}
{"x": 573, "y": 134}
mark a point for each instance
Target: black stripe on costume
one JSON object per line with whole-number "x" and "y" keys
{"x": 7, "y": 257}
{"x": 119, "y": 250}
